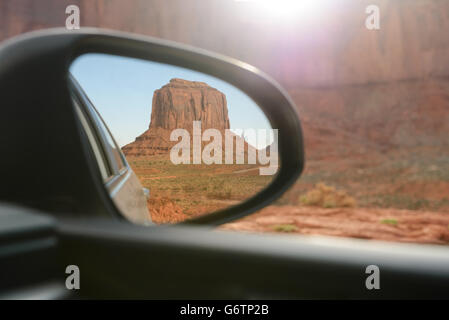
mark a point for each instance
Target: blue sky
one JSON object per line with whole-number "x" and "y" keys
{"x": 122, "y": 91}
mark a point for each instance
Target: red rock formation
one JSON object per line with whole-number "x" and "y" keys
{"x": 175, "y": 106}
{"x": 180, "y": 102}
{"x": 380, "y": 117}
{"x": 356, "y": 88}
{"x": 330, "y": 48}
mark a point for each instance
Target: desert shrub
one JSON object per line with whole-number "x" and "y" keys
{"x": 389, "y": 221}
{"x": 327, "y": 197}
{"x": 188, "y": 188}
{"x": 225, "y": 194}
{"x": 285, "y": 228}
{"x": 220, "y": 192}
{"x": 165, "y": 210}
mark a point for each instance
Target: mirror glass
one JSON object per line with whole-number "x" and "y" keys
{"x": 171, "y": 143}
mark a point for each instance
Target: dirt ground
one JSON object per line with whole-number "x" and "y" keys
{"x": 181, "y": 192}
{"x": 400, "y": 196}
{"x": 379, "y": 224}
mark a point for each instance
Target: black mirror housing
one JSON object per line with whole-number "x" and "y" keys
{"x": 42, "y": 140}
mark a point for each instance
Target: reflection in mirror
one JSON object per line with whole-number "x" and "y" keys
{"x": 191, "y": 143}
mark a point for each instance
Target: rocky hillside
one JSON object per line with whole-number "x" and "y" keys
{"x": 329, "y": 49}
{"x": 357, "y": 89}
{"x": 374, "y": 118}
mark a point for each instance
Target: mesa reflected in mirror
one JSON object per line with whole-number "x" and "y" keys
{"x": 197, "y": 143}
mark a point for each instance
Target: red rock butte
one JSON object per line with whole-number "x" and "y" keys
{"x": 180, "y": 102}
{"x": 176, "y": 106}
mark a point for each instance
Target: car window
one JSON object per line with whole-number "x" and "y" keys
{"x": 108, "y": 145}
{"x": 105, "y": 170}
{"x": 112, "y": 145}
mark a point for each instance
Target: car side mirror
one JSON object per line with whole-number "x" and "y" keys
{"x": 76, "y": 150}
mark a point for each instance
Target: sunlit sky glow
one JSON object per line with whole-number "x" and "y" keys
{"x": 286, "y": 11}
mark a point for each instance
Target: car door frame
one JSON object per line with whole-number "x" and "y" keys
{"x": 120, "y": 176}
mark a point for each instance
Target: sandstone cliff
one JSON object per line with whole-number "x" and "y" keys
{"x": 175, "y": 106}
{"x": 330, "y": 48}
{"x": 180, "y": 102}
{"x": 356, "y": 88}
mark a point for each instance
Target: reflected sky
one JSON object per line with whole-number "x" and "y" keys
{"x": 122, "y": 91}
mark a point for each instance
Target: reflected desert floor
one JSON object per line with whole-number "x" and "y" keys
{"x": 180, "y": 192}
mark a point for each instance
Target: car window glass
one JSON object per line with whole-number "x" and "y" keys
{"x": 105, "y": 170}
{"x": 112, "y": 146}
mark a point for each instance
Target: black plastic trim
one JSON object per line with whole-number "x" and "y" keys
{"x": 48, "y": 54}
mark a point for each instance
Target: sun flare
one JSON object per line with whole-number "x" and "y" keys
{"x": 287, "y": 10}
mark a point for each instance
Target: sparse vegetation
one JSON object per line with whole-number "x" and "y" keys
{"x": 327, "y": 197}
{"x": 285, "y": 228}
{"x": 164, "y": 210}
{"x": 415, "y": 179}
{"x": 220, "y": 193}
{"x": 190, "y": 190}
{"x": 392, "y": 222}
